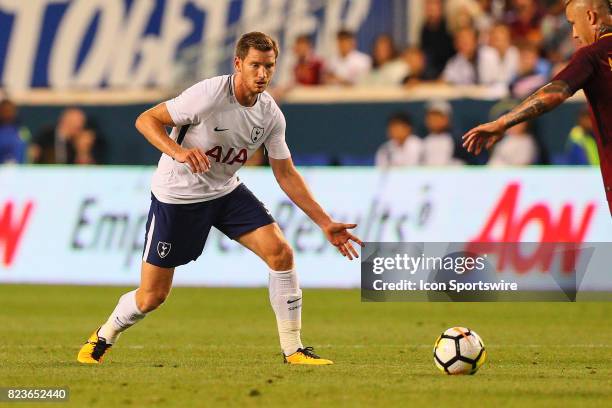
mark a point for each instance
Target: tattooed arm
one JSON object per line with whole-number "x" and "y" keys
{"x": 543, "y": 100}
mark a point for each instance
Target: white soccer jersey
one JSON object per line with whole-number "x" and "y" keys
{"x": 209, "y": 117}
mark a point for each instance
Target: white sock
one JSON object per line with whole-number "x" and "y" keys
{"x": 125, "y": 315}
{"x": 286, "y": 300}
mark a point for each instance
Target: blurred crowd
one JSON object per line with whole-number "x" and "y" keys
{"x": 509, "y": 45}
{"x": 439, "y": 147}
{"x": 71, "y": 140}
{"x": 517, "y": 44}
{"x": 514, "y": 45}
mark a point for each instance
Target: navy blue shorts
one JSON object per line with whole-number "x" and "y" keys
{"x": 176, "y": 233}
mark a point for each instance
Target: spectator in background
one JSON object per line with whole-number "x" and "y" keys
{"x": 518, "y": 148}
{"x": 350, "y": 65}
{"x": 84, "y": 143}
{"x": 498, "y": 62}
{"x": 524, "y": 19}
{"x": 463, "y": 14}
{"x": 387, "y": 68}
{"x": 581, "y": 148}
{"x": 436, "y": 42}
{"x": 54, "y": 144}
{"x": 557, "y": 40}
{"x": 403, "y": 148}
{"x": 529, "y": 79}
{"x": 415, "y": 60}
{"x": 308, "y": 69}
{"x": 462, "y": 68}
{"x": 13, "y": 138}
{"x": 439, "y": 146}
{"x": 462, "y": 19}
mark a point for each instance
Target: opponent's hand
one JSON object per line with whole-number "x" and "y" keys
{"x": 483, "y": 136}
{"x": 197, "y": 161}
{"x": 338, "y": 235}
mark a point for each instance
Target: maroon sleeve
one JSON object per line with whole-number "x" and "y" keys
{"x": 578, "y": 70}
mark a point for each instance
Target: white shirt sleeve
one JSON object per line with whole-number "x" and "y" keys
{"x": 362, "y": 67}
{"x": 194, "y": 104}
{"x": 382, "y": 158}
{"x": 457, "y": 72}
{"x": 511, "y": 65}
{"x": 495, "y": 70}
{"x": 275, "y": 143}
{"x": 488, "y": 65}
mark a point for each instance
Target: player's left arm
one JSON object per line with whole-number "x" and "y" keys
{"x": 293, "y": 184}
{"x": 543, "y": 100}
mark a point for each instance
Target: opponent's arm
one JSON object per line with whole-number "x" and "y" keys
{"x": 152, "y": 124}
{"x": 543, "y": 100}
{"x": 293, "y": 184}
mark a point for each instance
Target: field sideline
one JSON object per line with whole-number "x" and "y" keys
{"x": 209, "y": 346}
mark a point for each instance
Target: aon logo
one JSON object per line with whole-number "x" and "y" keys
{"x": 229, "y": 157}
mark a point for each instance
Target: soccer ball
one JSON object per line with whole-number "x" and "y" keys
{"x": 459, "y": 351}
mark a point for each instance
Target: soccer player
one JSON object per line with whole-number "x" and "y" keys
{"x": 590, "y": 69}
{"x": 217, "y": 124}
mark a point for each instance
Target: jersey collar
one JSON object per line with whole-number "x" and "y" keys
{"x": 606, "y": 35}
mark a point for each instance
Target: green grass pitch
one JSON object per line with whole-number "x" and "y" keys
{"x": 219, "y": 347}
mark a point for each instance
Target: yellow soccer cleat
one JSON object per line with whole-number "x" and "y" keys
{"x": 93, "y": 351}
{"x": 306, "y": 356}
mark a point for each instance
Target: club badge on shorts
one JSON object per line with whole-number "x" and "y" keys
{"x": 163, "y": 249}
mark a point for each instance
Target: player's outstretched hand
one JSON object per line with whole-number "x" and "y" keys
{"x": 197, "y": 161}
{"x": 337, "y": 234}
{"x": 483, "y": 136}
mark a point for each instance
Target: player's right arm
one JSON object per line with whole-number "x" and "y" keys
{"x": 152, "y": 124}
{"x": 551, "y": 95}
{"x": 543, "y": 100}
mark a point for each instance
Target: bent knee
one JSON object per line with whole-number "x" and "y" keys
{"x": 150, "y": 300}
{"x": 281, "y": 257}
